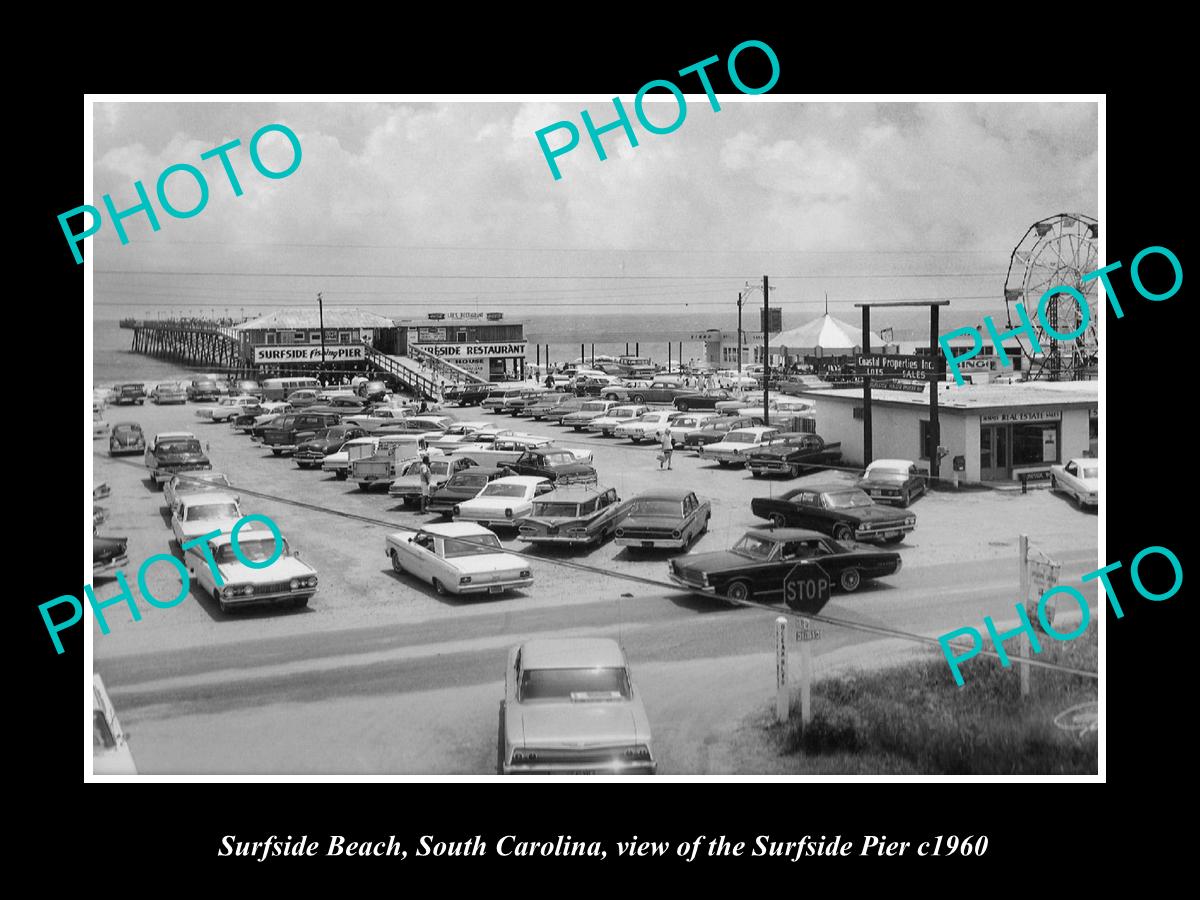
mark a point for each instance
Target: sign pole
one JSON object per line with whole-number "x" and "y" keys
{"x": 782, "y": 706}
{"x": 935, "y": 431}
{"x": 766, "y": 357}
{"x": 866, "y": 336}
{"x": 1023, "y": 549}
{"x": 805, "y": 676}
{"x": 321, "y": 315}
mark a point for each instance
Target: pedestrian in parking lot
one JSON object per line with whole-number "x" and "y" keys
{"x": 667, "y": 448}
{"x": 426, "y": 476}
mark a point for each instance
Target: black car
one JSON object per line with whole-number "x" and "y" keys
{"x": 714, "y": 430}
{"x": 129, "y": 393}
{"x": 697, "y": 400}
{"x": 108, "y": 554}
{"x": 792, "y": 453}
{"x": 173, "y": 454}
{"x": 311, "y": 453}
{"x": 287, "y": 432}
{"x": 757, "y": 565}
{"x": 836, "y": 509}
{"x": 474, "y": 394}
{"x": 462, "y": 486}
{"x": 559, "y": 466}
{"x": 451, "y": 393}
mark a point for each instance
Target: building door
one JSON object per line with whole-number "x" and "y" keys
{"x": 994, "y": 462}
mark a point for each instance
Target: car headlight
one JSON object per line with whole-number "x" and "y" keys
{"x": 312, "y": 580}
{"x": 911, "y": 520}
{"x": 228, "y": 591}
{"x": 526, "y": 573}
{"x": 465, "y": 579}
{"x": 294, "y": 583}
{"x": 675, "y": 535}
{"x": 620, "y": 532}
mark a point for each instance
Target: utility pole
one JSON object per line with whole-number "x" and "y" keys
{"x": 321, "y": 317}
{"x": 740, "y": 337}
{"x": 766, "y": 353}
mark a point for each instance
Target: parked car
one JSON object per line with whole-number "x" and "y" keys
{"x": 578, "y": 514}
{"x": 654, "y": 392}
{"x": 461, "y": 433}
{"x": 108, "y": 554}
{"x": 496, "y": 399}
{"x": 377, "y": 416}
{"x": 503, "y": 501}
{"x": 126, "y": 438}
{"x": 592, "y": 409}
{"x": 407, "y": 487}
{"x": 262, "y": 415}
{"x": 1079, "y": 479}
{"x": 791, "y": 453}
{"x": 570, "y": 707}
{"x": 464, "y": 485}
{"x": 392, "y": 455}
{"x": 168, "y": 392}
{"x": 110, "y": 745}
{"x": 289, "y": 431}
{"x": 248, "y": 386}
{"x": 685, "y": 423}
{"x": 172, "y": 452}
{"x": 893, "y": 481}
{"x": 649, "y": 426}
{"x": 474, "y": 394}
{"x": 132, "y": 392}
{"x": 618, "y": 415}
{"x": 197, "y": 514}
{"x": 458, "y": 558}
{"x": 698, "y": 400}
{"x": 195, "y": 483}
{"x": 311, "y": 454}
{"x": 730, "y": 380}
{"x": 504, "y": 449}
{"x": 757, "y": 565}
{"x": 374, "y": 391}
{"x": 287, "y": 581}
{"x": 203, "y": 390}
{"x": 412, "y": 426}
{"x": 840, "y": 510}
{"x": 304, "y": 397}
{"x": 516, "y": 406}
{"x": 356, "y": 448}
{"x": 669, "y": 517}
{"x": 716, "y": 428}
{"x": 735, "y": 445}
{"x": 555, "y": 464}
{"x": 592, "y": 385}
{"x": 228, "y": 408}
{"x": 552, "y": 406}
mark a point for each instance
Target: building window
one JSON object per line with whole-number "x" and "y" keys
{"x": 343, "y": 337}
{"x": 1035, "y": 443}
{"x": 298, "y": 337}
{"x": 460, "y": 336}
{"x": 270, "y": 337}
{"x": 928, "y": 447}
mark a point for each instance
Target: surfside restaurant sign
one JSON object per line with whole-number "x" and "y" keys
{"x": 273, "y": 353}
{"x": 455, "y": 352}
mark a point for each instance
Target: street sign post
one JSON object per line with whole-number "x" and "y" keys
{"x": 782, "y": 700}
{"x": 806, "y": 586}
{"x": 806, "y": 634}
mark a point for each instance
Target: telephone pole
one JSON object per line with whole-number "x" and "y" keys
{"x": 766, "y": 352}
{"x": 321, "y": 317}
{"x": 740, "y": 336}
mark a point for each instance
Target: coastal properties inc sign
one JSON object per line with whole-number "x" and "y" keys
{"x": 456, "y": 352}
{"x": 306, "y": 354}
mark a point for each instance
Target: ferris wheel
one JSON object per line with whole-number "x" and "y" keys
{"x": 1058, "y": 250}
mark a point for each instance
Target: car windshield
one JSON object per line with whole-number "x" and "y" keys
{"x": 180, "y": 447}
{"x": 886, "y": 475}
{"x": 126, "y": 431}
{"x": 1090, "y": 472}
{"x": 594, "y": 407}
{"x": 556, "y": 510}
{"x": 504, "y": 490}
{"x": 253, "y": 549}
{"x": 473, "y": 545}
{"x": 601, "y": 683}
{"x": 741, "y": 437}
{"x": 471, "y": 480}
{"x": 754, "y": 547}
{"x": 102, "y": 736}
{"x": 651, "y": 507}
{"x": 212, "y": 511}
{"x": 559, "y": 459}
{"x": 624, "y": 412}
{"x": 847, "y": 500}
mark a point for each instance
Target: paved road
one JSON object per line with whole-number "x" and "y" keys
{"x": 381, "y": 675}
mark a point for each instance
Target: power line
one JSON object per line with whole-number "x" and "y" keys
{"x": 556, "y": 304}
{"x": 441, "y": 276}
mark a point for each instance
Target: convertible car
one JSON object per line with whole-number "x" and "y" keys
{"x": 578, "y": 514}
{"x": 836, "y": 509}
{"x": 757, "y": 565}
{"x": 459, "y": 558}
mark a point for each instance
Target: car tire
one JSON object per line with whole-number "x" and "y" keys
{"x": 895, "y": 539}
{"x": 500, "y": 742}
{"x": 739, "y": 590}
{"x": 681, "y": 406}
{"x": 364, "y": 485}
{"x": 636, "y": 440}
{"x": 638, "y": 398}
{"x": 300, "y": 603}
{"x": 577, "y": 427}
{"x": 397, "y": 567}
{"x": 905, "y": 499}
{"x": 778, "y": 520}
{"x": 704, "y": 527}
{"x": 341, "y": 476}
{"x": 723, "y": 463}
{"x": 1053, "y": 483}
{"x": 277, "y": 452}
{"x": 843, "y": 532}
{"x": 1078, "y": 501}
{"x": 440, "y": 588}
{"x": 850, "y": 580}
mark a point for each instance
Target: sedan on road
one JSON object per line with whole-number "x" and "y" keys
{"x": 407, "y": 487}
{"x": 757, "y": 565}
{"x": 197, "y": 514}
{"x": 570, "y": 708}
{"x": 228, "y": 408}
{"x": 615, "y": 417}
{"x": 465, "y": 485}
{"x": 458, "y": 558}
{"x": 311, "y": 454}
{"x": 839, "y": 510}
{"x": 264, "y": 574}
{"x": 592, "y": 409}
{"x": 716, "y": 428}
{"x": 733, "y": 448}
{"x": 168, "y": 392}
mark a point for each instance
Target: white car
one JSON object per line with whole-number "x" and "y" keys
{"x": 197, "y": 514}
{"x": 458, "y": 558}
{"x": 508, "y": 448}
{"x": 287, "y": 581}
{"x": 377, "y": 416}
{"x": 110, "y": 747}
{"x": 461, "y": 433}
{"x": 195, "y": 483}
{"x": 618, "y": 415}
{"x": 1079, "y": 479}
{"x": 733, "y": 448}
{"x": 339, "y": 463}
{"x": 648, "y": 426}
{"x": 270, "y": 411}
{"x": 730, "y": 380}
{"x": 679, "y": 427}
{"x": 503, "y": 501}
{"x": 227, "y": 408}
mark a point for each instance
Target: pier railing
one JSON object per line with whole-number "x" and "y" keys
{"x": 435, "y": 362}
{"x": 414, "y": 381}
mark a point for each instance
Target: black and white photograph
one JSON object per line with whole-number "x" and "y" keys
{"x": 680, "y": 434}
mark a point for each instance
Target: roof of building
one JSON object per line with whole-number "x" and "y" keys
{"x": 976, "y": 397}
{"x": 334, "y": 317}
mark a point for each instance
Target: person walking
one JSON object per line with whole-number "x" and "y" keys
{"x": 426, "y": 475}
{"x": 667, "y": 447}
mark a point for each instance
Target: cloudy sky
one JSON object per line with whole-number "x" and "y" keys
{"x": 406, "y": 208}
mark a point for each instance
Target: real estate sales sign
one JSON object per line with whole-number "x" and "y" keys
{"x": 306, "y": 354}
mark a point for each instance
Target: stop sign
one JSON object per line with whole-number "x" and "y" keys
{"x": 806, "y": 586}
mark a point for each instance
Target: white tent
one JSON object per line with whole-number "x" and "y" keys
{"x": 823, "y": 336}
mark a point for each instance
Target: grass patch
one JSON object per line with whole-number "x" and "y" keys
{"x": 913, "y": 718}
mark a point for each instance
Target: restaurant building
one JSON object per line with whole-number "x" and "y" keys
{"x": 482, "y": 344}
{"x": 992, "y": 432}
{"x": 291, "y": 339}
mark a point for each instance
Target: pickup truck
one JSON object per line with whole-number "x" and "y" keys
{"x": 129, "y": 393}
{"x": 288, "y": 432}
{"x": 392, "y": 454}
{"x": 793, "y": 453}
